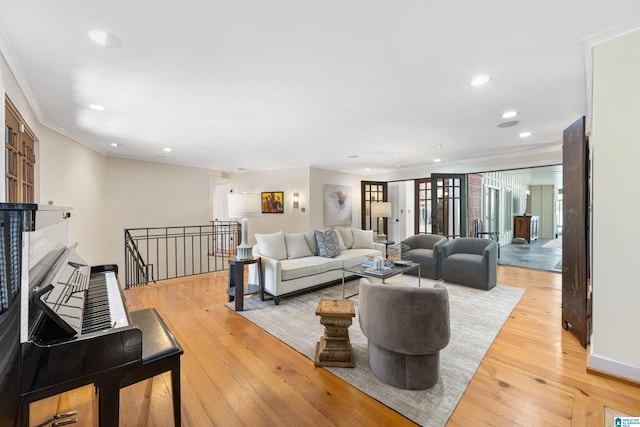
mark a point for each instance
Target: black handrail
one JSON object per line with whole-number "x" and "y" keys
{"x": 174, "y": 252}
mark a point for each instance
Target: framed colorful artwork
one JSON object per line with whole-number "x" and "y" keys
{"x": 272, "y": 202}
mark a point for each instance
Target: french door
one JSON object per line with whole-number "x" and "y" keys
{"x": 449, "y": 205}
{"x": 422, "y": 206}
{"x": 372, "y": 191}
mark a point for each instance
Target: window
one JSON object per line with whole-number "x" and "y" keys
{"x": 20, "y": 157}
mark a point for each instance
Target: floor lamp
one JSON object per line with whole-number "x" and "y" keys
{"x": 381, "y": 210}
{"x": 242, "y": 206}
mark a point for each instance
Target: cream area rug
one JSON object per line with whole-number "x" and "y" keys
{"x": 476, "y": 318}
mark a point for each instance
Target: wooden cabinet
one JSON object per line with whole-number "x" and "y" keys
{"x": 526, "y": 227}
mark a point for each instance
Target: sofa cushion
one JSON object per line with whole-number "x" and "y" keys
{"x": 296, "y": 246}
{"x": 307, "y": 266}
{"x": 327, "y": 242}
{"x": 310, "y": 237}
{"x": 347, "y": 236}
{"x": 353, "y": 257}
{"x": 272, "y": 245}
{"x": 362, "y": 239}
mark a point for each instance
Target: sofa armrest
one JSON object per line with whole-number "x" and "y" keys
{"x": 490, "y": 254}
{"x": 438, "y": 248}
{"x": 271, "y": 272}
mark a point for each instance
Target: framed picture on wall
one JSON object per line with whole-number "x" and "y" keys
{"x": 272, "y": 202}
{"x": 337, "y": 205}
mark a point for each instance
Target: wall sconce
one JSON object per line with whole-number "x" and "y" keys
{"x": 296, "y": 200}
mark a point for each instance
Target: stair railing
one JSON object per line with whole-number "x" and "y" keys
{"x": 161, "y": 253}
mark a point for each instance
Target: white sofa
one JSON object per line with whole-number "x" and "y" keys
{"x": 296, "y": 262}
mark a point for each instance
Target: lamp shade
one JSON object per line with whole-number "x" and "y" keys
{"x": 380, "y": 209}
{"x": 244, "y": 205}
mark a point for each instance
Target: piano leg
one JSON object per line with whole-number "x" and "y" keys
{"x": 108, "y": 389}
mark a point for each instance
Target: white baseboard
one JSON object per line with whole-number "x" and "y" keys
{"x": 614, "y": 367}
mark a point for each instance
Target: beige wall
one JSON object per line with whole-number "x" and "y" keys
{"x": 147, "y": 194}
{"x": 615, "y": 346}
{"x": 288, "y": 181}
{"x": 309, "y": 183}
{"x": 73, "y": 175}
{"x": 322, "y": 177}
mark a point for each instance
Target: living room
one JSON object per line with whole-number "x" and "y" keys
{"x": 109, "y": 193}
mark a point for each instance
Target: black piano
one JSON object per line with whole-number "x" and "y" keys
{"x": 63, "y": 322}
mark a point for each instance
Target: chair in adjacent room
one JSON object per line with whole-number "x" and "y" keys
{"x": 471, "y": 262}
{"x": 160, "y": 353}
{"x": 406, "y": 327}
{"x": 426, "y": 250}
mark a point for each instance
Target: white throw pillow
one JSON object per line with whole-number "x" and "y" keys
{"x": 341, "y": 243}
{"x": 310, "y": 237}
{"x": 362, "y": 239}
{"x": 296, "y": 246}
{"x": 347, "y": 237}
{"x": 272, "y": 245}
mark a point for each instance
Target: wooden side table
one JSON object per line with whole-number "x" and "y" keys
{"x": 334, "y": 347}
{"x": 235, "y": 292}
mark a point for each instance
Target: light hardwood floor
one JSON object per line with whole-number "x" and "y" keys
{"x": 234, "y": 374}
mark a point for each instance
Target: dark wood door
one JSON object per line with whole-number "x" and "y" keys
{"x": 449, "y": 205}
{"x": 372, "y": 191}
{"x": 576, "y": 296}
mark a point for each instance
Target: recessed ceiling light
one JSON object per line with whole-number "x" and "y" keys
{"x": 96, "y": 107}
{"x": 439, "y": 146}
{"x": 167, "y": 150}
{"x": 480, "y": 80}
{"x": 525, "y": 134}
{"x": 367, "y": 169}
{"x": 508, "y": 124}
{"x": 437, "y": 160}
{"x": 509, "y": 114}
{"x": 352, "y": 156}
{"x": 396, "y": 153}
{"x": 114, "y": 144}
{"x": 104, "y": 38}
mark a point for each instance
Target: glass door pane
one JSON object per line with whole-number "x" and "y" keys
{"x": 448, "y": 208}
{"x": 423, "y": 205}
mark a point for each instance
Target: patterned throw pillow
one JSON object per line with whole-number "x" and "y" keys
{"x": 327, "y": 242}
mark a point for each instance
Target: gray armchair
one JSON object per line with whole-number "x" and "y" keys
{"x": 426, "y": 250}
{"x": 406, "y": 327}
{"x": 471, "y": 262}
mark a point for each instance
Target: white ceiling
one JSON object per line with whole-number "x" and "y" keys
{"x": 260, "y": 85}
